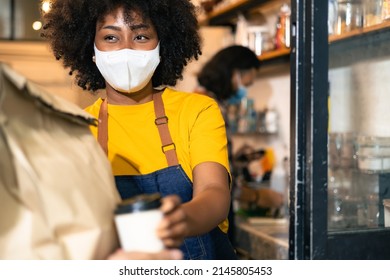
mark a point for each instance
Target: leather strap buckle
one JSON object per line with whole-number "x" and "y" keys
{"x": 165, "y": 149}
{"x": 161, "y": 120}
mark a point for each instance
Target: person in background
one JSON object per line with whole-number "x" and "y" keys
{"x": 57, "y": 191}
{"x": 225, "y": 78}
{"x": 156, "y": 138}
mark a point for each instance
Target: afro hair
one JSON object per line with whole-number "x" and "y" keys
{"x": 70, "y": 27}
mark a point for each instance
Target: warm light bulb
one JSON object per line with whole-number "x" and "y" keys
{"x": 46, "y": 6}
{"x": 37, "y": 25}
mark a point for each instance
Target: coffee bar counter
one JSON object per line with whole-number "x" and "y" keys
{"x": 262, "y": 238}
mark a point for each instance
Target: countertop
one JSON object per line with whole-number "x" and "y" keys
{"x": 262, "y": 238}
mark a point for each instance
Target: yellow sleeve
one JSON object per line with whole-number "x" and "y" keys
{"x": 208, "y": 137}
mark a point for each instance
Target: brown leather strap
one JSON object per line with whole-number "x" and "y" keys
{"x": 102, "y": 134}
{"x": 161, "y": 121}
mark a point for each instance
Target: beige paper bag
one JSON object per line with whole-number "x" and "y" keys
{"x": 57, "y": 192}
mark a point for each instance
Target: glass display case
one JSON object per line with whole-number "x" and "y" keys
{"x": 340, "y": 174}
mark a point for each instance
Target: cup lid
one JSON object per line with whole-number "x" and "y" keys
{"x": 142, "y": 202}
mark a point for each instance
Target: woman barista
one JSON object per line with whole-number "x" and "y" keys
{"x": 157, "y": 139}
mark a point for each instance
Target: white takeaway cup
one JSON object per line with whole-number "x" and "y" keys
{"x": 136, "y": 220}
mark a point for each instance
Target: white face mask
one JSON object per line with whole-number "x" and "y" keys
{"x": 127, "y": 70}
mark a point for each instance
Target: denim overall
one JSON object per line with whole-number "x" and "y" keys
{"x": 167, "y": 181}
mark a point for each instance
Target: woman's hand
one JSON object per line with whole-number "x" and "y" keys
{"x": 168, "y": 254}
{"x": 173, "y": 228}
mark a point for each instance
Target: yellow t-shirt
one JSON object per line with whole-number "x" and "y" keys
{"x": 195, "y": 123}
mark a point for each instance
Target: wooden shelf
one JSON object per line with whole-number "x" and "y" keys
{"x": 270, "y": 55}
{"x": 360, "y": 32}
{"x": 225, "y": 14}
{"x": 228, "y": 8}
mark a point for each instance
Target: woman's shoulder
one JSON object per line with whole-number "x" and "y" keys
{"x": 191, "y": 99}
{"x": 93, "y": 109}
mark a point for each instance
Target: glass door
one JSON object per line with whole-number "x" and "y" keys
{"x": 340, "y": 188}
{"x": 359, "y": 128}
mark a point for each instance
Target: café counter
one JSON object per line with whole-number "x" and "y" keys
{"x": 262, "y": 238}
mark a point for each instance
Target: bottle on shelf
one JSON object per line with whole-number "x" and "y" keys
{"x": 282, "y": 37}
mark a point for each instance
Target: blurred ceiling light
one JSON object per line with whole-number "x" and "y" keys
{"x": 46, "y": 6}
{"x": 37, "y": 25}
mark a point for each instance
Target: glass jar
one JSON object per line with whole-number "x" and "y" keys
{"x": 332, "y": 16}
{"x": 349, "y": 16}
{"x": 373, "y": 154}
{"x": 259, "y": 39}
{"x": 372, "y": 12}
{"x": 372, "y": 210}
{"x": 385, "y": 9}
